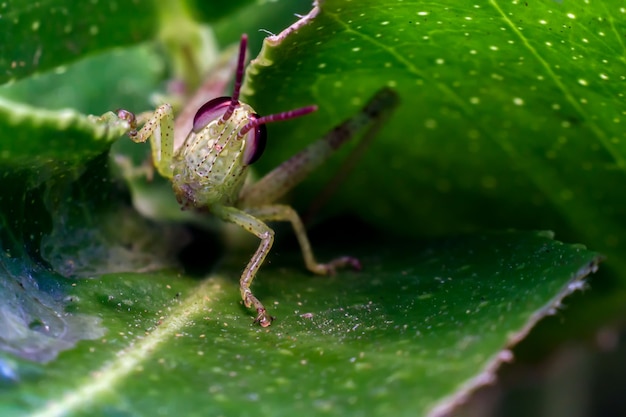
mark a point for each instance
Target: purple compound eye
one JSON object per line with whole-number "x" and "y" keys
{"x": 255, "y": 143}
{"x": 209, "y": 111}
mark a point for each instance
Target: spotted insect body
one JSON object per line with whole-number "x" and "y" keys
{"x": 211, "y": 168}
{"x": 208, "y": 172}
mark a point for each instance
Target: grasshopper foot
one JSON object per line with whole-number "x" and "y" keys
{"x": 263, "y": 318}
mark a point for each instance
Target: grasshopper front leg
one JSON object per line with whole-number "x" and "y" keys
{"x": 252, "y": 221}
{"x": 159, "y": 128}
{"x": 255, "y": 226}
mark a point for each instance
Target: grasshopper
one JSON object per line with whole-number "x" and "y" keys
{"x": 208, "y": 171}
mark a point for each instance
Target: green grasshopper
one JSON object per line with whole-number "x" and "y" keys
{"x": 208, "y": 171}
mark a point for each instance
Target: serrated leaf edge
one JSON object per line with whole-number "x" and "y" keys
{"x": 488, "y": 376}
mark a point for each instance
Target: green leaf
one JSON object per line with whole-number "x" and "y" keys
{"x": 128, "y": 75}
{"x": 41, "y": 36}
{"x": 27, "y": 129}
{"x": 503, "y": 102}
{"x": 511, "y": 116}
{"x": 416, "y": 330}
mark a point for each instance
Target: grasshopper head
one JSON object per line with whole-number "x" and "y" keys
{"x": 253, "y": 130}
{"x": 225, "y": 138}
{"x": 256, "y": 135}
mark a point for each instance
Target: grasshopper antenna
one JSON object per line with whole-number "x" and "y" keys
{"x": 234, "y": 100}
{"x": 291, "y": 114}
